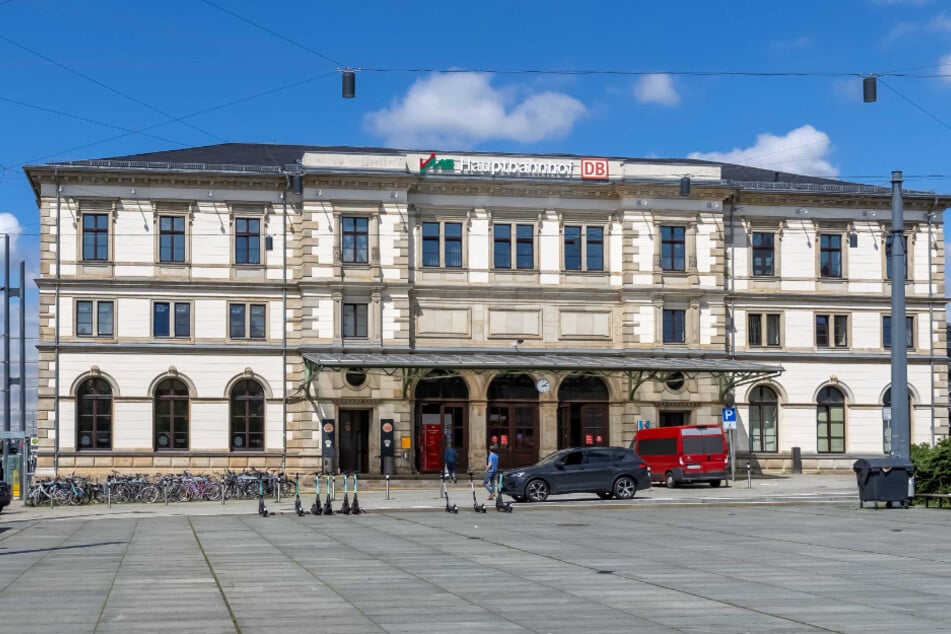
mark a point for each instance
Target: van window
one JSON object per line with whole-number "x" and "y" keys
{"x": 703, "y": 444}
{"x": 657, "y": 447}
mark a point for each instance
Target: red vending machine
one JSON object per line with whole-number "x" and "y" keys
{"x": 431, "y": 459}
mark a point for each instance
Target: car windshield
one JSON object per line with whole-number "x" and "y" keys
{"x": 552, "y": 457}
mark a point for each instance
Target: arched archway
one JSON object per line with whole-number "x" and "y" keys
{"x": 830, "y": 420}
{"x": 764, "y": 423}
{"x": 170, "y": 414}
{"x": 582, "y": 412}
{"x": 246, "y": 407}
{"x": 512, "y": 419}
{"x": 442, "y": 408}
{"x": 94, "y": 414}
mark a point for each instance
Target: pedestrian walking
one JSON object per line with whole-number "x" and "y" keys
{"x": 450, "y": 459}
{"x": 491, "y": 466}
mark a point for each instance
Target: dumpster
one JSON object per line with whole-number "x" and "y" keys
{"x": 887, "y": 480}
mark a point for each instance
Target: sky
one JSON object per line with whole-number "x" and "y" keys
{"x": 770, "y": 84}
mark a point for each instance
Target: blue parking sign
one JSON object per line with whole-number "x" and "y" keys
{"x": 729, "y": 414}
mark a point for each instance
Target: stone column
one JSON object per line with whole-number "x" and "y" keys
{"x": 547, "y": 427}
{"x": 477, "y": 441}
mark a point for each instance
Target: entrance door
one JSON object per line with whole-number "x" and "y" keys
{"x": 513, "y": 428}
{"x": 353, "y": 434}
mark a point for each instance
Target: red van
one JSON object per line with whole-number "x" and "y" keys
{"x": 684, "y": 453}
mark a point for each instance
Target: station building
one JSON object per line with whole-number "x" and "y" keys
{"x": 358, "y": 309}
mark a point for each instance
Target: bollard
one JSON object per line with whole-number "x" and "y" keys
{"x": 749, "y": 476}
{"x": 333, "y": 487}
{"x": 108, "y": 496}
{"x": 165, "y": 492}
{"x": 387, "y": 486}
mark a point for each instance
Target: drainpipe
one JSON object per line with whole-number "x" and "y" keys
{"x": 731, "y": 282}
{"x": 59, "y": 233}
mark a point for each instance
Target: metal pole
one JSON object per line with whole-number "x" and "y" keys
{"x": 24, "y": 458}
{"x": 899, "y": 359}
{"x": 56, "y": 317}
{"x": 733, "y": 454}
{"x": 387, "y": 486}
{"x": 6, "y": 351}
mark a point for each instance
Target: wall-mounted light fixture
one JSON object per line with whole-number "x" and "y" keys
{"x": 869, "y": 213}
{"x": 802, "y": 211}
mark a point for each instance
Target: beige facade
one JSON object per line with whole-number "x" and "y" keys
{"x": 201, "y": 309}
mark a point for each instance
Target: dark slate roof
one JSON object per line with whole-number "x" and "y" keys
{"x": 273, "y": 157}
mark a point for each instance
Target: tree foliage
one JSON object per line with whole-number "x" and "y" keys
{"x": 932, "y": 467}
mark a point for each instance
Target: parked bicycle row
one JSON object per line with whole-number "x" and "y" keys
{"x": 183, "y": 487}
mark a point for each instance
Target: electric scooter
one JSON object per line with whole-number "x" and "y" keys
{"x": 345, "y": 507}
{"x": 298, "y": 507}
{"x": 355, "y": 507}
{"x": 262, "y": 510}
{"x": 478, "y": 508}
{"x": 450, "y": 508}
{"x": 328, "y": 507}
{"x": 315, "y": 507}
{"x": 500, "y": 506}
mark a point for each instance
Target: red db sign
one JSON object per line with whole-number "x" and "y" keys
{"x": 594, "y": 169}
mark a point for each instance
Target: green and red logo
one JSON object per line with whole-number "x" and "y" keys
{"x": 432, "y": 163}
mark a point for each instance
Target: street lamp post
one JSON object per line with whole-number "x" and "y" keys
{"x": 901, "y": 427}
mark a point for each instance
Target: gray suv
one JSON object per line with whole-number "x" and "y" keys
{"x": 5, "y": 496}
{"x": 609, "y": 472}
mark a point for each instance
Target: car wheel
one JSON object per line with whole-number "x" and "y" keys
{"x": 714, "y": 483}
{"x": 605, "y": 495}
{"x": 669, "y": 481}
{"x": 537, "y": 491}
{"x": 518, "y": 498}
{"x": 625, "y": 488}
{"x": 2, "y": 507}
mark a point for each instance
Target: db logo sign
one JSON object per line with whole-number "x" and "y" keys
{"x": 594, "y": 169}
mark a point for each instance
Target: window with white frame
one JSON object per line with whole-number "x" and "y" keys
{"x": 763, "y": 253}
{"x": 584, "y": 248}
{"x": 171, "y": 319}
{"x": 830, "y": 255}
{"x": 172, "y": 239}
{"x": 442, "y": 244}
{"x": 763, "y": 329}
{"x": 95, "y": 318}
{"x": 247, "y": 321}
{"x": 95, "y": 237}
{"x": 247, "y": 240}
{"x": 832, "y": 331}
{"x": 673, "y": 248}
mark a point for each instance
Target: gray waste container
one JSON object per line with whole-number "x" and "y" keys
{"x": 886, "y": 480}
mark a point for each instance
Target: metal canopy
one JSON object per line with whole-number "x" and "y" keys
{"x": 728, "y": 373}
{"x": 529, "y": 361}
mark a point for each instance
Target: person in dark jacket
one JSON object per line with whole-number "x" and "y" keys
{"x": 451, "y": 463}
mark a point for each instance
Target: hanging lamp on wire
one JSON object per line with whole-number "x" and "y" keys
{"x": 869, "y": 89}
{"x": 349, "y": 83}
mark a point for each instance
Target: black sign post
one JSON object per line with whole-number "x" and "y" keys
{"x": 387, "y": 445}
{"x": 328, "y": 444}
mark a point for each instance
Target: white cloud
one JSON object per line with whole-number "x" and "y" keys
{"x": 801, "y": 151}
{"x": 945, "y": 68}
{"x": 9, "y": 224}
{"x": 463, "y": 109}
{"x": 937, "y": 24}
{"x": 658, "y": 88}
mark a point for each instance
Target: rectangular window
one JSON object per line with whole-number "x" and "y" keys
{"x": 356, "y": 240}
{"x": 832, "y": 331}
{"x": 525, "y": 246}
{"x": 887, "y": 332}
{"x": 247, "y": 321}
{"x": 572, "y": 248}
{"x": 449, "y": 242}
{"x": 247, "y": 241}
{"x": 502, "y": 246}
{"x": 672, "y": 419}
{"x": 96, "y": 237}
{"x": 673, "y": 247}
{"x": 763, "y": 254}
{"x": 166, "y": 324}
{"x": 595, "y": 247}
{"x": 830, "y": 255}
{"x": 94, "y": 318}
{"x": 758, "y": 324}
{"x": 674, "y": 331}
{"x": 171, "y": 239}
{"x": 888, "y": 256}
{"x": 355, "y": 321}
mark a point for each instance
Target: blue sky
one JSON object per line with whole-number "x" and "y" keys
{"x": 96, "y": 79}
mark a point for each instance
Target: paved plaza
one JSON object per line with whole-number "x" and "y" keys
{"x": 660, "y": 563}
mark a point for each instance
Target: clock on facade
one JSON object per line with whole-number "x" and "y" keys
{"x": 543, "y": 385}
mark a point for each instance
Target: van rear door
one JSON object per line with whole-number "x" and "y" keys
{"x": 704, "y": 451}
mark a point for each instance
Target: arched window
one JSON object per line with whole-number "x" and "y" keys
{"x": 442, "y": 404}
{"x": 887, "y": 420}
{"x": 582, "y": 412}
{"x": 247, "y": 416}
{"x": 763, "y": 419}
{"x": 170, "y": 413}
{"x": 830, "y": 421}
{"x": 94, "y": 415}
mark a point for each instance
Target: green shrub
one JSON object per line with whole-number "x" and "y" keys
{"x": 932, "y": 467}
